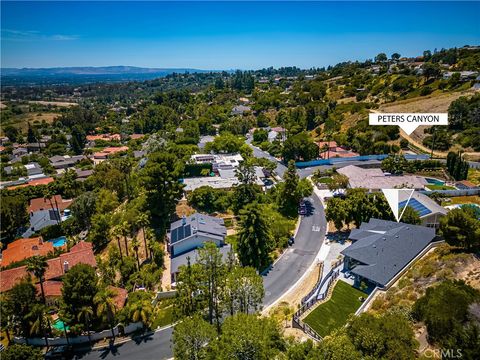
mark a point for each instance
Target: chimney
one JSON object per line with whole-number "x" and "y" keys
{"x": 65, "y": 266}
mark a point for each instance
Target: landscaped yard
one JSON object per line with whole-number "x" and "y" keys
{"x": 335, "y": 312}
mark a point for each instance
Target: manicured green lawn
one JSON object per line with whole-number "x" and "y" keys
{"x": 163, "y": 314}
{"x": 335, "y": 312}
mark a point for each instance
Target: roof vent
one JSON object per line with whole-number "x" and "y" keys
{"x": 65, "y": 266}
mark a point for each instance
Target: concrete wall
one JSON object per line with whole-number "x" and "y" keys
{"x": 128, "y": 329}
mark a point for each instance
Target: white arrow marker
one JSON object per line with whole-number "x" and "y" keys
{"x": 392, "y": 196}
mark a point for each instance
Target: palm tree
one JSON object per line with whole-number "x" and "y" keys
{"x": 150, "y": 235}
{"x": 105, "y": 301}
{"x": 116, "y": 233}
{"x": 135, "y": 246}
{"x": 142, "y": 221}
{"x": 38, "y": 316}
{"x": 49, "y": 194}
{"x": 141, "y": 311}
{"x": 37, "y": 265}
{"x": 85, "y": 314}
{"x": 125, "y": 231}
{"x": 6, "y": 315}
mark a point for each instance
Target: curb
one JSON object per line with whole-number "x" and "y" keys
{"x": 102, "y": 347}
{"x": 310, "y": 268}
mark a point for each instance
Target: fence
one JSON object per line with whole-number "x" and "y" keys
{"x": 128, "y": 329}
{"x": 332, "y": 161}
{"x": 453, "y": 193}
{"x": 297, "y": 321}
{"x": 322, "y": 280}
{"x": 163, "y": 295}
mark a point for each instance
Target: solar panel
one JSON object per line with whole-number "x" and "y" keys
{"x": 417, "y": 206}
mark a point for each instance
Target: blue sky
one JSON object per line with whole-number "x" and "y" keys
{"x": 227, "y": 35}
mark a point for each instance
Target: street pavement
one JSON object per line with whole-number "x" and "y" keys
{"x": 155, "y": 346}
{"x": 297, "y": 259}
{"x": 283, "y": 274}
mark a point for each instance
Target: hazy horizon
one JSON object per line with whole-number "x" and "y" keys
{"x": 227, "y": 35}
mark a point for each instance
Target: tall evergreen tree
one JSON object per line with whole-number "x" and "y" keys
{"x": 254, "y": 239}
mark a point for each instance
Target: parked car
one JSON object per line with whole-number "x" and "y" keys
{"x": 291, "y": 241}
{"x": 302, "y": 210}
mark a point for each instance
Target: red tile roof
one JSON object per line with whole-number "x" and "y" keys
{"x": 106, "y": 137}
{"x": 136, "y": 136}
{"x": 44, "y": 203}
{"x": 35, "y": 182}
{"x": 24, "y": 248}
{"x": 51, "y": 288}
{"x": 120, "y": 296}
{"x": 81, "y": 253}
{"x": 108, "y": 151}
{"x": 331, "y": 144}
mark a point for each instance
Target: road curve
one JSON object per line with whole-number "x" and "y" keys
{"x": 284, "y": 273}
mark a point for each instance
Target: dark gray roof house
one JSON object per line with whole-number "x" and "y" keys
{"x": 381, "y": 249}
{"x": 240, "y": 109}
{"x": 190, "y": 233}
{"x": 63, "y": 162}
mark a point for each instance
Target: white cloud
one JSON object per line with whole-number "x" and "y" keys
{"x": 33, "y": 35}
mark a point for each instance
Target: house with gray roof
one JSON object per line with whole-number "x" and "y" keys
{"x": 428, "y": 210}
{"x": 190, "y": 233}
{"x": 381, "y": 249}
{"x": 64, "y": 162}
{"x": 240, "y": 109}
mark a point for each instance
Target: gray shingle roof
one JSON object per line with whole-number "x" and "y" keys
{"x": 385, "y": 247}
{"x": 197, "y": 224}
{"x": 182, "y": 259}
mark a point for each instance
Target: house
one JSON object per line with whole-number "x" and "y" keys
{"x": 136, "y": 136}
{"x": 190, "y": 233}
{"x": 218, "y": 161}
{"x": 103, "y": 137}
{"x": 35, "y": 182}
{"x": 275, "y": 133}
{"x": 429, "y": 211}
{"x": 240, "y": 109}
{"x": 33, "y": 169}
{"x": 465, "y": 185}
{"x": 464, "y": 75}
{"x": 100, "y": 156}
{"x": 18, "y": 153}
{"x": 81, "y": 253}
{"x": 82, "y": 175}
{"x": 21, "y": 249}
{"x": 330, "y": 149}
{"x": 376, "y": 179}
{"x": 36, "y": 147}
{"x": 45, "y": 212}
{"x": 64, "y": 162}
{"x": 382, "y": 249}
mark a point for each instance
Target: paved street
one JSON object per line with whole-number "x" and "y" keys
{"x": 298, "y": 258}
{"x": 157, "y": 346}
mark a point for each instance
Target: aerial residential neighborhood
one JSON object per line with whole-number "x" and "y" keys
{"x": 204, "y": 181}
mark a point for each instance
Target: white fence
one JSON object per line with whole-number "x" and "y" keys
{"x": 128, "y": 329}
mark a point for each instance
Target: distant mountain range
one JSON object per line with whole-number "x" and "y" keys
{"x": 90, "y": 70}
{"x": 84, "y": 74}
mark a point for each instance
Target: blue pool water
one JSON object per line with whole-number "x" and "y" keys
{"x": 435, "y": 181}
{"x": 60, "y": 241}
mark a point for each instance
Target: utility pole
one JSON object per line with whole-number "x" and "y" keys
{"x": 433, "y": 142}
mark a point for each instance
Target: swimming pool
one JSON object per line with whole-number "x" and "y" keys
{"x": 58, "y": 242}
{"x": 435, "y": 181}
{"x": 59, "y": 325}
